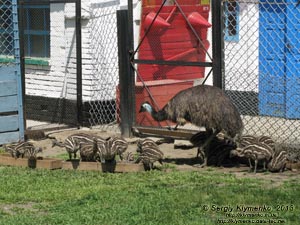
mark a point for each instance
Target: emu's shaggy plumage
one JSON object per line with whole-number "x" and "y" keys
{"x": 204, "y": 106}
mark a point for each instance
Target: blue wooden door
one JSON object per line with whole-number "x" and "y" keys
{"x": 272, "y": 59}
{"x": 279, "y": 58}
{"x": 293, "y": 60}
{"x": 11, "y": 108}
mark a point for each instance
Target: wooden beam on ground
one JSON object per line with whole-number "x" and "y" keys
{"x": 164, "y": 132}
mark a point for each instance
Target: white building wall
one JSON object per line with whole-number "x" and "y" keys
{"x": 241, "y": 57}
{"x": 58, "y": 80}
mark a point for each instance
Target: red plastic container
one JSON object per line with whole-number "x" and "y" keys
{"x": 171, "y": 38}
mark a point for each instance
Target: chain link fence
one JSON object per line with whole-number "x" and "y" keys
{"x": 261, "y": 66}
{"x": 6, "y": 33}
{"x": 104, "y": 76}
{"x": 49, "y": 36}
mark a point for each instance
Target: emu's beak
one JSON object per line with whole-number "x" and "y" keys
{"x": 142, "y": 109}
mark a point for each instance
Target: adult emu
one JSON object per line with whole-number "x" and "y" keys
{"x": 204, "y": 106}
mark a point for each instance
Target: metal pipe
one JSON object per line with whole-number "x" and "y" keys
{"x": 79, "y": 63}
{"x": 216, "y": 43}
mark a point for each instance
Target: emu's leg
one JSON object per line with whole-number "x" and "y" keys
{"x": 70, "y": 155}
{"x": 160, "y": 161}
{"x": 200, "y": 152}
{"x": 255, "y": 166}
{"x": 250, "y": 165}
{"x": 264, "y": 165}
{"x": 180, "y": 121}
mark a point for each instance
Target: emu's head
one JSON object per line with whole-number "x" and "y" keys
{"x": 146, "y": 107}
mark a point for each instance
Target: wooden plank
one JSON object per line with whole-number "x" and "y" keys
{"x": 9, "y": 103}
{"x": 7, "y": 73}
{"x": 293, "y": 166}
{"x": 8, "y": 87}
{"x": 9, "y": 137}
{"x": 119, "y": 167}
{"x": 43, "y": 163}
{"x": 9, "y": 123}
{"x": 164, "y": 132}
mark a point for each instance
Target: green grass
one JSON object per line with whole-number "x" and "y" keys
{"x": 64, "y": 156}
{"x": 78, "y": 197}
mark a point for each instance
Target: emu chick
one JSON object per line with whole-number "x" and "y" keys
{"x": 278, "y": 161}
{"x": 256, "y": 152}
{"x": 149, "y": 155}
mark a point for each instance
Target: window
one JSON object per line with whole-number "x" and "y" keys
{"x": 231, "y": 20}
{"x": 37, "y": 31}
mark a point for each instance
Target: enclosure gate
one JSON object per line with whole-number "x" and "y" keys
{"x": 11, "y": 105}
{"x": 50, "y": 39}
{"x": 172, "y": 53}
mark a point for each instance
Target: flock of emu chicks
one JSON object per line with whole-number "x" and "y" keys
{"x": 248, "y": 149}
{"x": 95, "y": 148}
{"x": 22, "y": 149}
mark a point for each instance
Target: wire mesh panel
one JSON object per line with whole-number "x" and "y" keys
{"x": 6, "y": 37}
{"x": 11, "y": 104}
{"x": 261, "y": 66}
{"x": 104, "y": 76}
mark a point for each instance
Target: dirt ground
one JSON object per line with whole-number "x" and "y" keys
{"x": 181, "y": 159}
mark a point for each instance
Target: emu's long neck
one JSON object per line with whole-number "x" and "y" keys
{"x": 159, "y": 116}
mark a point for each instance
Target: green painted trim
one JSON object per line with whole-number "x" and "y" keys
{"x": 6, "y": 60}
{"x": 28, "y": 61}
{"x": 37, "y": 61}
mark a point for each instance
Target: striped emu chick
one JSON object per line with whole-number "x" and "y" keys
{"x": 142, "y": 143}
{"x": 246, "y": 140}
{"x": 18, "y": 149}
{"x": 249, "y": 139}
{"x": 256, "y": 152}
{"x": 128, "y": 156}
{"x": 121, "y": 145}
{"x": 101, "y": 148}
{"x": 278, "y": 161}
{"x": 31, "y": 152}
{"x": 149, "y": 153}
{"x": 11, "y": 149}
{"x": 72, "y": 143}
{"x": 114, "y": 146}
{"x": 88, "y": 151}
{"x": 266, "y": 140}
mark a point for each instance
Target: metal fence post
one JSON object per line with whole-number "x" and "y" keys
{"x": 126, "y": 77}
{"x": 217, "y": 42}
{"x": 22, "y": 57}
{"x": 79, "y": 63}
